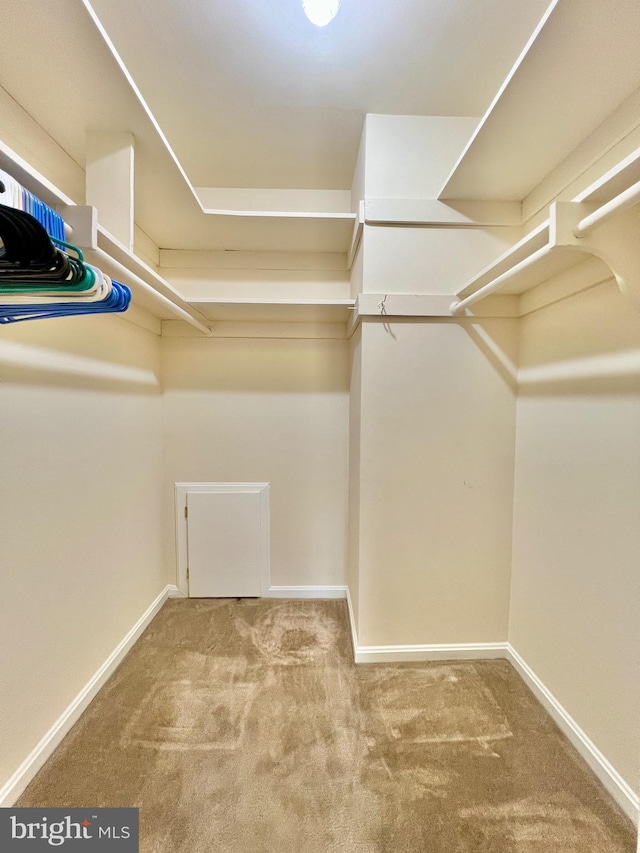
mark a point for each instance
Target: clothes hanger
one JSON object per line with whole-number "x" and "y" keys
{"x": 14, "y": 195}
{"x": 42, "y": 277}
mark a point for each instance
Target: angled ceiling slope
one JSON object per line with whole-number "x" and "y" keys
{"x": 580, "y": 65}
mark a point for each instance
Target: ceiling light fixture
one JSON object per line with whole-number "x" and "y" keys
{"x": 321, "y": 12}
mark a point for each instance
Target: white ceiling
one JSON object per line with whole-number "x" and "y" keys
{"x": 250, "y": 94}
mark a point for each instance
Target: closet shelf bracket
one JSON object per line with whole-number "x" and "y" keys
{"x": 610, "y": 232}
{"x": 617, "y": 243}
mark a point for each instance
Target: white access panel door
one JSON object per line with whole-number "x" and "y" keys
{"x": 225, "y": 542}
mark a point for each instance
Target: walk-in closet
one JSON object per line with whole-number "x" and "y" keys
{"x": 320, "y": 422}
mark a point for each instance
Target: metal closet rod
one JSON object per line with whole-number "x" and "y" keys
{"x": 120, "y": 271}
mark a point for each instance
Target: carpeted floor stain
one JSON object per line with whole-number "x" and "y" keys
{"x": 245, "y": 727}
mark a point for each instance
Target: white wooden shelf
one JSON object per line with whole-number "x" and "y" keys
{"x": 425, "y": 213}
{"x": 275, "y": 311}
{"x": 582, "y": 59}
{"x": 594, "y": 224}
{"x": 153, "y": 293}
{"x": 149, "y": 290}
{"x": 550, "y": 261}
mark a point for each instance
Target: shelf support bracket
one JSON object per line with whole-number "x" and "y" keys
{"x": 616, "y": 242}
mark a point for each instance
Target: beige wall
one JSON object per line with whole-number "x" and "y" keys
{"x": 429, "y": 260}
{"x": 28, "y": 139}
{"x": 436, "y": 416}
{"x": 263, "y": 284}
{"x": 80, "y": 513}
{"x": 575, "y": 594}
{"x": 272, "y": 411}
{"x": 436, "y": 481}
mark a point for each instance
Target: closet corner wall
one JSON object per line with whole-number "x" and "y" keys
{"x": 80, "y": 419}
{"x": 494, "y": 452}
{"x": 82, "y": 477}
{"x": 433, "y": 405}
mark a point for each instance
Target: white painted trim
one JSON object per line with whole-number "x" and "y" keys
{"x": 619, "y": 789}
{"x": 307, "y": 592}
{"x": 278, "y": 214}
{"x": 421, "y": 652}
{"x": 424, "y": 213}
{"x": 255, "y": 329}
{"x": 429, "y": 652}
{"x": 182, "y": 556}
{"x": 219, "y": 259}
{"x": 174, "y": 592}
{"x": 275, "y": 202}
{"x": 356, "y": 236}
{"x": 12, "y": 789}
{"x": 352, "y": 624}
{"x": 402, "y": 305}
{"x": 428, "y": 305}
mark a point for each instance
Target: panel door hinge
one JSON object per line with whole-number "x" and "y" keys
{"x": 187, "y": 572}
{"x": 186, "y": 512}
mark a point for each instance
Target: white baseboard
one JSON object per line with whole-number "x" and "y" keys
{"x": 353, "y": 626}
{"x": 175, "y": 592}
{"x": 306, "y": 592}
{"x": 619, "y": 789}
{"x": 426, "y": 652}
{"x": 621, "y": 792}
{"x": 12, "y": 789}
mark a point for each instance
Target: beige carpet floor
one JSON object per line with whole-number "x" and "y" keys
{"x": 245, "y": 727}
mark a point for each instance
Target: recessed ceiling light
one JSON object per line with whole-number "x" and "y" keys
{"x": 321, "y": 12}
